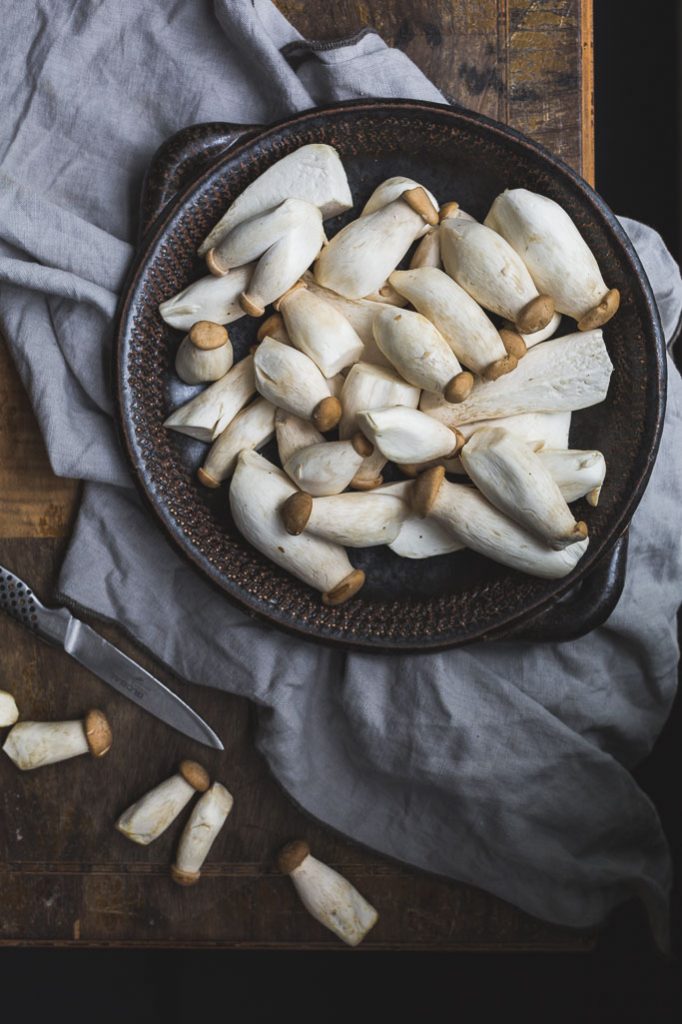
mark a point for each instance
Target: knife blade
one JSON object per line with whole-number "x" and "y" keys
{"x": 59, "y": 627}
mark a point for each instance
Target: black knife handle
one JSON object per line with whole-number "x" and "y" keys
{"x": 17, "y": 599}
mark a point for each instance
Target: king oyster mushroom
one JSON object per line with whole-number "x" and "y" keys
{"x": 9, "y": 712}
{"x": 559, "y": 260}
{"x": 291, "y": 381}
{"x": 353, "y": 519}
{"x": 471, "y": 519}
{"x": 515, "y": 480}
{"x": 208, "y": 816}
{"x": 487, "y": 267}
{"x": 460, "y": 320}
{"x": 418, "y": 537}
{"x": 407, "y": 435}
{"x": 210, "y": 298}
{"x": 318, "y": 329}
{"x": 360, "y": 315}
{"x": 578, "y": 474}
{"x": 205, "y": 354}
{"x": 536, "y": 337}
{"x": 313, "y": 173}
{"x": 34, "y": 744}
{"x": 209, "y": 413}
{"x": 328, "y": 467}
{"x": 257, "y": 494}
{"x": 273, "y": 327}
{"x": 427, "y": 253}
{"x": 252, "y": 428}
{"x": 359, "y": 259}
{"x": 420, "y": 355}
{"x": 150, "y": 816}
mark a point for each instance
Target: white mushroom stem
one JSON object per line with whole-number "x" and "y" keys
{"x": 516, "y": 481}
{"x": 558, "y": 258}
{"x": 9, "y": 712}
{"x": 354, "y": 520}
{"x": 480, "y": 526}
{"x": 321, "y": 331}
{"x": 563, "y": 374}
{"x": 205, "y": 354}
{"x": 252, "y": 428}
{"x": 534, "y": 339}
{"x": 151, "y": 815}
{"x": 210, "y": 298}
{"x": 294, "y": 434}
{"x": 420, "y": 354}
{"x": 359, "y": 259}
{"x": 273, "y": 327}
{"x": 34, "y": 744}
{"x": 208, "y": 816}
{"x": 257, "y": 493}
{"x": 427, "y": 253}
{"x": 327, "y": 896}
{"x": 360, "y": 314}
{"x": 326, "y": 468}
{"x": 313, "y": 173}
{"x": 291, "y": 381}
{"x": 417, "y": 537}
{"x": 252, "y": 238}
{"x": 579, "y": 474}
{"x": 459, "y": 319}
{"x": 538, "y": 429}
{"x": 207, "y": 415}
{"x": 487, "y": 267}
{"x": 407, "y": 435}
{"x": 406, "y": 188}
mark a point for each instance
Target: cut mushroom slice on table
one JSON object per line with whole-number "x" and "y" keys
{"x": 207, "y": 415}
{"x": 9, "y": 712}
{"x": 418, "y": 537}
{"x": 351, "y": 519}
{"x": 34, "y": 744}
{"x": 460, "y": 321}
{"x": 328, "y": 467}
{"x": 251, "y": 428}
{"x": 407, "y": 435}
{"x": 420, "y": 355}
{"x": 205, "y": 354}
{"x": 210, "y": 298}
{"x": 561, "y": 375}
{"x": 578, "y": 474}
{"x": 285, "y": 241}
{"x": 318, "y": 329}
{"x": 558, "y": 258}
{"x": 257, "y": 494}
{"x": 516, "y": 481}
{"x": 471, "y": 519}
{"x": 327, "y": 896}
{"x": 359, "y": 259}
{"x": 150, "y": 816}
{"x": 291, "y": 381}
{"x": 487, "y": 267}
{"x": 208, "y": 816}
{"x": 313, "y": 173}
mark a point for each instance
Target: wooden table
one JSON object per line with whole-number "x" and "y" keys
{"x": 66, "y": 877}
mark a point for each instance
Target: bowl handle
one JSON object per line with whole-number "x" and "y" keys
{"x": 583, "y": 608}
{"x": 181, "y": 158}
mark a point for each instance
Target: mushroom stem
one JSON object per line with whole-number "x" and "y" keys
{"x": 325, "y": 468}
{"x": 211, "y": 298}
{"x": 205, "y": 822}
{"x": 34, "y": 744}
{"x": 353, "y": 520}
{"x": 419, "y": 353}
{"x": 407, "y": 435}
{"x": 205, "y": 354}
{"x": 208, "y": 415}
{"x": 291, "y": 381}
{"x": 252, "y": 428}
{"x": 578, "y": 474}
{"x": 427, "y": 253}
{"x": 151, "y": 815}
{"x": 9, "y": 712}
{"x": 294, "y": 434}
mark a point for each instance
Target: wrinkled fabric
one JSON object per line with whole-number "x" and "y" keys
{"x": 505, "y": 765}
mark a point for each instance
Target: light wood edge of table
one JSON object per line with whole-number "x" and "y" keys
{"x": 587, "y": 160}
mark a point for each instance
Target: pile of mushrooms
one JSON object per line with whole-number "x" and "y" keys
{"x": 451, "y": 370}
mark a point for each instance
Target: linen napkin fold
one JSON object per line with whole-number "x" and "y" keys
{"x": 504, "y": 765}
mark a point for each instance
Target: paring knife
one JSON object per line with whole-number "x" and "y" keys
{"x": 59, "y": 627}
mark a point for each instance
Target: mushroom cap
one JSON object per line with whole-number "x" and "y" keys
{"x": 184, "y": 877}
{"x": 296, "y": 512}
{"x": 274, "y": 323}
{"x": 425, "y": 490}
{"x": 195, "y": 775}
{"x": 206, "y": 335}
{"x": 327, "y": 414}
{"x": 343, "y": 591}
{"x": 97, "y": 732}
{"x": 291, "y": 855}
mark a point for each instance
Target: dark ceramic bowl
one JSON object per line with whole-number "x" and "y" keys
{"x": 405, "y": 605}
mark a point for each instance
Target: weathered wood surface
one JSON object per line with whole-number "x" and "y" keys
{"x": 66, "y": 876}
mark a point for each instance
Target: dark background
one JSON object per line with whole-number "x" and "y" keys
{"x": 638, "y": 89}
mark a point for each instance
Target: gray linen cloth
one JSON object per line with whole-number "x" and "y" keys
{"x": 504, "y": 765}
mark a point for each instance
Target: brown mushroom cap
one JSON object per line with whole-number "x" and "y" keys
{"x": 295, "y": 512}
{"x": 448, "y": 210}
{"x": 214, "y": 265}
{"x": 501, "y": 366}
{"x": 425, "y": 490}
{"x": 274, "y": 323}
{"x": 344, "y": 590}
{"x": 459, "y": 388}
{"x": 421, "y": 204}
{"x": 184, "y": 877}
{"x": 291, "y": 855}
{"x": 290, "y": 291}
{"x": 364, "y": 484}
{"x": 206, "y": 335}
{"x": 361, "y": 445}
{"x": 206, "y": 479}
{"x": 195, "y": 775}
{"x": 250, "y": 305}
{"x": 97, "y": 732}
{"x": 601, "y": 313}
{"x": 535, "y": 315}
{"x": 513, "y": 343}
{"x": 327, "y": 414}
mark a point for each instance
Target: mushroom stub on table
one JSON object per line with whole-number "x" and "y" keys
{"x": 450, "y": 370}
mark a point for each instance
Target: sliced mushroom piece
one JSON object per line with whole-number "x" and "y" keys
{"x": 328, "y": 467}
{"x": 318, "y": 329}
{"x": 257, "y": 494}
{"x": 538, "y": 429}
{"x": 210, "y": 298}
{"x": 294, "y": 434}
{"x": 360, "y": 258}
{"x": 208, "y": 816}
{"x": 515, "y": 480}
{"x": 327, "y": 896}
{"x": 459, "y": 319}
{"x": 291, "y": 381}
{"x": 534, "y": 339}
{"x": 418, "y": 537}
{"x": 34, "y": 744}
{"x": 407, "y": 435}
{"x": 205, "y": 354}
{"x": 560, "y": 261}
{"x": 354, "y": 520}
{"x": 471, "y": 519}
{"x": 313, "y": 173}
{"x": 561, "y": 375}
{"x": 578, "y": 474}
{"x": 145, "y": 820}
{"x": 420, "y": 355}
{"x": 9, "y": 712}
{"x": 487, "y": 267}
{"x": 207, "y": 415}
{"x": 252, "y": 428}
